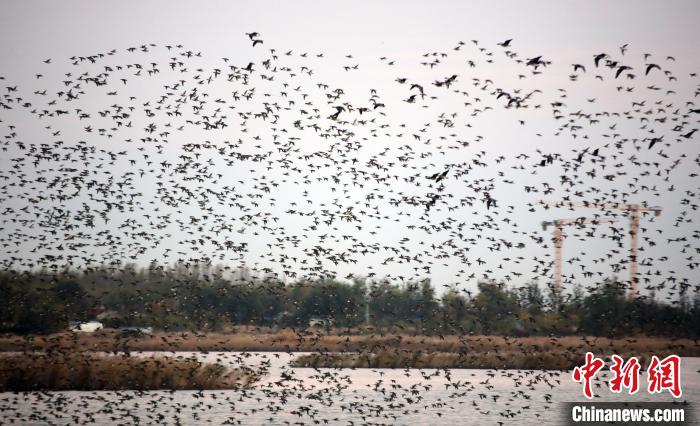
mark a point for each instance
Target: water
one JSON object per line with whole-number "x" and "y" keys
{"x": 329, "y": 396}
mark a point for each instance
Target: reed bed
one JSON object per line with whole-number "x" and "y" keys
{"x": 509, "y": 360}
{"x": 405, "y": 359}
{"x": 288, "y": 340}
{"x": 90, "y": 371}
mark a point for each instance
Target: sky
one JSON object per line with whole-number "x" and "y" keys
{"x": 562, "y": 32}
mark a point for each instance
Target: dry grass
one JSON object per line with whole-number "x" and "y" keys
{"x": 489, "y": 352}
{"x": 405, "y": 359}
{"x": 107, "y": 341}
{"x": 89, "y": 371}
{"x": 531, "y": 360}
{"x": 250, "y": 339}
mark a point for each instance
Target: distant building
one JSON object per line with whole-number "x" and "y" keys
{"x": 86, "y": 327}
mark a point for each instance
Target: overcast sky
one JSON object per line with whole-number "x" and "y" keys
{"x": 562, "y": 32}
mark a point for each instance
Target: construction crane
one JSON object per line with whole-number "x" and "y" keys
{"x": 559, "y": 224}
{"x": 634, "y": 210}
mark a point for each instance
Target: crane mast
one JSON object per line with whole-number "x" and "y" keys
{"x": 634, "y": 210}
{"x": 558, "y": 239}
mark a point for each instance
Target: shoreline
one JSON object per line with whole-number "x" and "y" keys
{"x": 365, "y": 350}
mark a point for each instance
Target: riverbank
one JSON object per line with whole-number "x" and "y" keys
{"x": 91, "y": 371}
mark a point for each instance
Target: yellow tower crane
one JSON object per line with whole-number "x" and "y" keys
{"x": 634, "y": 210}
{"x": 558, "y": 239}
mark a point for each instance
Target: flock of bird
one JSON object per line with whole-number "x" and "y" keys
{"x": 310, "y": 396}
{"x": 192, "y": 161}
{"x": 156, "y": 154}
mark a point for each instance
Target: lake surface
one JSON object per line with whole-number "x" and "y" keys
{"x": 336, "y": 396}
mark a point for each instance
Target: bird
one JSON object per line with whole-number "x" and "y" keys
{"x": 654, "y": 141}
{"x": 621, "y": 69}
{"x": 689, "y": 134}
{"x": 597, "y": 58}
{"x": 650, "y": 67}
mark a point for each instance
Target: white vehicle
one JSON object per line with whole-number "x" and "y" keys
{"x": 320, "y": 322}
{"x": 87, "y": 327}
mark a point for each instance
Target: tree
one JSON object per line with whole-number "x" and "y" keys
{"x": 496, "y": 309}
{"x": 604, "y": 309}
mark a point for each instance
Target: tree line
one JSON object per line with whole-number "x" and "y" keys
{"x": 209, "y": 298}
